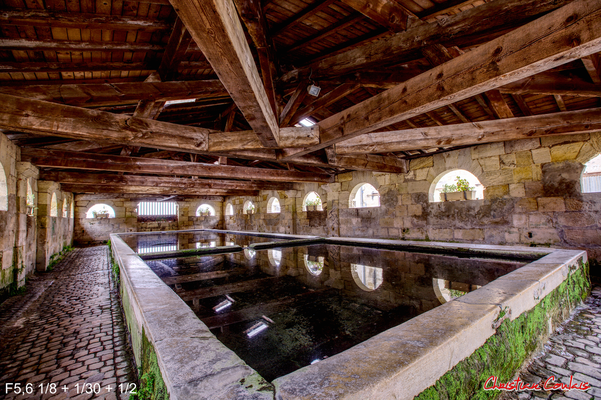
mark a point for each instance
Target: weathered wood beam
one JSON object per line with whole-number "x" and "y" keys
{"x": 98, "y": 162}
{"x": 68, "y": 45}
{"x": 562, "y": 123}
{"x": 158, "y": 181}
{"x": 388, "y": 13}
{"x": 560, "y": 103}
{"x": 371, "y": 162}
{"x": 94, "y": 95}
{"x": 174, "y": 52}
{"x": 8, "y": 66}
{"x": 475, "y": 21}
{"x": 323, "y": 101}
{"x": 593, "y": 67}
{"x": 519, "y": 100}
{"x": 53, "y": 19}
{"x": 83, "y": 145}
{"x": 79, "y": 188}
{"x": 294, "y": 102}
{"x": 458, "y": 113}
{"x": 498, "y": 104}
{"x": 216, "y": 29}
{"x": 247, "y": 140}
{"x": 526, "y": 51}
{"x": 553, "y": 84}
{"x": 317, "y": 6}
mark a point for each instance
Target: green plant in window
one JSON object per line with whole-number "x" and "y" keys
{"x": 463, "y": 185}
{"x": 313, "y": 202}
{"x": 449, "y": 188}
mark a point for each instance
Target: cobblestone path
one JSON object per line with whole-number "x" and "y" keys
{"x": 66, "y": 330}
{"x": 574, "y": 350}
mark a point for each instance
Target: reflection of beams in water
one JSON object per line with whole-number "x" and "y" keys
{"x": 238, "y": 287}
{"x": 253, "y": 312}
{"x": 202, "y": 276}
{"x": 164, "y": 269}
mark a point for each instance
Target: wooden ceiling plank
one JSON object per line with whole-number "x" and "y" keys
{"x": 570, "y": 122}
{"x": 8, "y": 66}
{"x": 52, "y": 19}
{"x": 458, "y": 113}
{"x": 487, "y": 17}
{"x": 519, "y": 100}
{"x": 498, "y": 104}
{"x": 69, "y": 45}
{"x": 593, "y": 67}
{"x": 551, "y": 83}
{"x": 560, "y": 103}
{"x": 216, "y": 29}
{"x": 533, "y": 48}
{"x": 370, "y": 162}
{"x": 174, "y": 52}
{"x": 246, "y": 140}
{"x": 97, "y": 162}
{"x": 389, "y": 13}
{"x": 93, "y": 95}
{"x": 317, "y": 6}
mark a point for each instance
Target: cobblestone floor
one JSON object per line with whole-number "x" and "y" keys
{"x": 66, "y": 330}
{"x": 574, "y": 351}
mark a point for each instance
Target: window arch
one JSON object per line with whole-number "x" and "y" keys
{"x": 3, "y": 190}
{"x": 590, "y": 181}
{"x": 273, "y": 206}
{"x": 53, "y": 206}
{"x": 364, "y": 195}
{"x": 366, "y": 277}
{"x": 65, "y": 208}
{"x": 453, "y": 181}
{"x": 249, "y": 207}
{"x": 205, "y": 209}
{"x": 275, "y": 257}
{"x": 100, "y": 211}
{"x": 229, "y": 209}
{"x": 314, "y": 264}
{"x": 312, "y": 199}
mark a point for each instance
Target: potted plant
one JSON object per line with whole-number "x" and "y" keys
{"x": 461, "y": 190}
{"x": 312, "y": 204}
{"x": 30, "y": 203}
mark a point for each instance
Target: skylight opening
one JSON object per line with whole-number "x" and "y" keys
{"x": 306, "y": 122}
{"x": 170, "y": 102}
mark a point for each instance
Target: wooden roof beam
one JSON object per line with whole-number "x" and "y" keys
{"x": 68, "y": 45}
{"x": 391, "y": 14}
{"x": 127, "y": 189}
{"x": 592, "y": 64}
{"x": 174, "y": 52}
{"x": 562, "y": 123}
{"x": 138, "y": 165}
{"x": 551, "y": 83}
{"x": 533, "y": 48}
{"x": 317, "y": 6}
{"x": 216, "y": 29}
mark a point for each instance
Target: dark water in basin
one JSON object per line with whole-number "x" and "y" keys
{"x": 152, "y": 243}
{"x": 282, "y": 309}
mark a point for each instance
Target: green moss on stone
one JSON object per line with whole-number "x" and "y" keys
{"x": 505, "y": 352}
{"x": 152, "y": 386}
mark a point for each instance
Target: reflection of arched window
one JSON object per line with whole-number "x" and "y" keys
{"x": 229, "y": 209}
{"x": 3, "y": 190}
{"x": 312, "y": 199}
{"x": 249, "y": 207}
{"x": 100, "y": 211}
{"x": 364, "y": 195}
{"x": 273, "y": 206}
{"x": 275, "y": 257}
{"x": 590, "y": 181}
{"x": 205, "y": 209}
{"x": 450, "y": 185}
{"x": 249, "y": 253}
{"x": 65, "y": 208}
{"x": 200, "y": 245}
{"x": 366, "y": 277}
{"x": 314, "y": 264}
{"x": 53, "y": 206}
{"x": 446, "y": 291}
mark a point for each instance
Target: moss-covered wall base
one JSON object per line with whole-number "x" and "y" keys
{"x": 504, "y": 353}
{"x": 152, "y": 386}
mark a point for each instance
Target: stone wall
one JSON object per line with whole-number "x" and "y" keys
{"x": 90, "y": 231}
{"x": 532, "y": 198}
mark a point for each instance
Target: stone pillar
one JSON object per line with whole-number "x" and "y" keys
{"x": 25, "y": 238}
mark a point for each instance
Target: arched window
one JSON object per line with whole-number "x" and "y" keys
{"x": 3, "y": 190}
{"x": 205, "y": 209}
{"x": 590, "y": 182}
{"x": 100, "y": 211}
{"x": 447, "y": 291}
{"x": 314, "y": 264}
{"x": 30, "y": 199}
{"x": 249, "y": 253}
{"x": 273, "y": 206}
{"x": 65, "y": 208}
{"x": 249, "y": 207}
{"x": 229, "y": 209}
{"x": 366, "y": 277}
{"x": 275, "y": 257}
{"x": 364, "y": 195}
{"x": 312, "y": 199}
{"x": 457, "y": 184}
{"x": 53, "y": 206}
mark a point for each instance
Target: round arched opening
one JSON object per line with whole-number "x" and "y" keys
{"x": 275, "y": 257}
{"x": 206, "y": 210}
{"x": 314, "y": 264}
{"x": 456, "y": 184}
{"x": 590, "y": 181}
{"x": 312, "y": 200}
{"x": 100, "y": 211}
{"x": 30, "y": 199}
{"x": 364, "y": 195}
{"x": 53, "y": 206}
{"x": 273, "y": 206}
{"x": 229, "y": 209}
{"x": 249, "y": 207}
{"x": 366, "y": 277}
{"x": 3, "y": 190}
